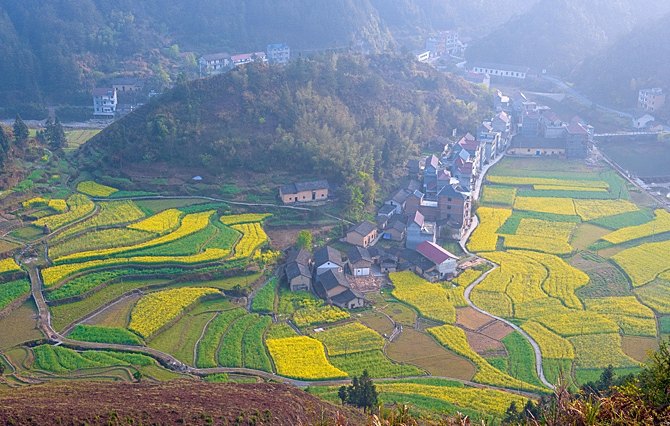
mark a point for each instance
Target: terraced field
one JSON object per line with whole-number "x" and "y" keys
{"x": 577, "y": 319}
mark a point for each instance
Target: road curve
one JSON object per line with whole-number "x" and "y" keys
{"x": 536, "y": 348}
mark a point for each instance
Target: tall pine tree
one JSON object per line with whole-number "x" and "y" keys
{"x": 20, "y": 131}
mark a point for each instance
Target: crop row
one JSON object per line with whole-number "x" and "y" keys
{"x": 563, "y": 279}
{"x": 79, "y": 206}
{"x": 655, "y": 295}
{"x": 55, "y": 274}
{"x": 207, "y": 348}
{"x": 543, "y": 244}
{"x": 190, "y": 224}
{"x": 155, "y": 310}
{"x": 57, "y": 205}
{"x": 58, "y": 359}
{"x": 568, "y": 188}
{"x": 98, "y": 240}
{"x": 95, "y": 189}
{"x": 431, "y": 300}
{"x": 302, "y": 358}
{"x": 110, "y": 213}
{"x": 454, "y": 338}
{"x": 264, "y": 300}
{"x": 253, "y": 350}
{"x": 253, "y": 237}
{"x": 230, "y": 351}
{"x": 659, "y": 225}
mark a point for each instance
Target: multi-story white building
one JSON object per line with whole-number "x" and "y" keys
{"x": 445, "y": 43}
{"x": 651, "y": 99}
{"x": 104, "y": 102}
{"x": 278, "y": 53}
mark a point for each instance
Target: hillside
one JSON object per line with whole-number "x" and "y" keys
{"x": 188, "y": 402}
{"x": 333, "y": 117}
{"x": 54, "y": 53}
{"x": 633, "y": 63}
{"x": 553, "y": 34}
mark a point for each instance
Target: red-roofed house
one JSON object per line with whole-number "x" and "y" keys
{"x": 445, "y": 262}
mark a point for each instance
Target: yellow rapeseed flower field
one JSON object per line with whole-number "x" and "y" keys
{"x": 562, "y": 206}
{"x": 431, "y": 300}
{"x": 600, "y": 351}
{"x": 528, "y": 181}
{"x": 454, "y": 338}
{"x": 95, "y": 189}
{"x": 244, "y": 218}
{"x": 595, "y": 209}
{"x": 485, "y": 237}
{"x": 55, "y": 274}
{"x": 480, "y": 400}
{"x": 160, "y": 223}
{"x": 645, "y": 262}
{"x": 659, "y": 225}
{"x": 155, "y": 310}
{"x": 253, "y": 236}
{"x": 551, "y": 344}
{"x": 302, "y": 357}
{"x": 79, "y": 206}
{"x": 349, "y": 338}
{"x": 9, "y": 265}
{"x": 191, "y": 224}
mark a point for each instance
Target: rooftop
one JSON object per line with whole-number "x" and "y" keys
{"x": 295, "y": 269}
{"x": 356, "y": 254}
{"x": 364, "y": 228}
{"x": 327, "y": 254}
{"x": 503, "y": 67}
{"x": 294, "y": 188}
{"x": 537, "y": 142}
{"x": 332, "y": 279}
{"x": 434, "y": 253}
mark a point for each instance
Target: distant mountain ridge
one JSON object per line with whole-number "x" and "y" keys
{"x": 54, "y": 51}
{"x": 638, "y": 61}
{"x": 559, "y": 34}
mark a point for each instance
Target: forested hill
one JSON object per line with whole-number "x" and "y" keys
{"x": 559, "y": 34}
{"x": 641, "y": 60}
{"x": 53, "y": 52}
{"x": 334, "y": 117}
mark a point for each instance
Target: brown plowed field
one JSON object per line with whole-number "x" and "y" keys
{"x": 484, "y": 345}
{"x": 471, "y": 319}
{"x": 177, "y": 402}
{"x": 497, "y": 330}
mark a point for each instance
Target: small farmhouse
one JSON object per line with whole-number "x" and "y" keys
{"x": 327, "y": 258}
{"x": 418, "y": 231}
{"x": 444, "y": 262}
{"x": 304, "y": 192}
{"x": 360, "y": 261}
{"x": 363, "y": 234}
{"x": 334, "y": 287}
{"x": 297, "y": 271}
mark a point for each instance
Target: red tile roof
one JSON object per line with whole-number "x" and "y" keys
{"x": 434, "y": 253}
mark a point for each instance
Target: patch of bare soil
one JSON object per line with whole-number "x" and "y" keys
{"x": 497, "y": 330}
{"x": 484, "y": 345}
{"x": 367, "y": 284}
{"x": 283, "y": 238}
{"x": 471, "y": 319}
{"x": 176, "y": 402}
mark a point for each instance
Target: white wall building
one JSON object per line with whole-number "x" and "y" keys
{"x": 104, "y": 102}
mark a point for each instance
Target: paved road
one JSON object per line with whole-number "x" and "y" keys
{"x": 536, "y": 348}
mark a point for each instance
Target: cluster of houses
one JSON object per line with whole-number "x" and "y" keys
{"x": 217, "y": 63}
{"x": 441, "y": 44}
{"x": 331, "y": 274}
